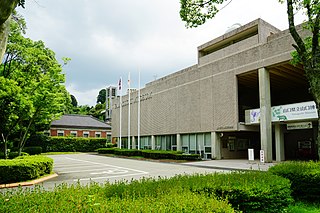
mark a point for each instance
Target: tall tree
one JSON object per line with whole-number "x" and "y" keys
{"x": 197, "y": 12}
{"x": 101, "y": 98}
{"x": 38, "y": 77}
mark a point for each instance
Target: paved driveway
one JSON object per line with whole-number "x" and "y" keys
{"x": 85, "y": 168}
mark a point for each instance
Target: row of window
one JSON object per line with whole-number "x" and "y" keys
{"x": 85, "y": 134}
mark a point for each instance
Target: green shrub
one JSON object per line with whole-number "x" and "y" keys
{"x": 13, "y": 155}
{"x": 24, "y": 168}
{"x": 304, "y": 176}
{"x": 92, "y": 198}
{"x": 33, "y": 150}
{"x": 248, "y": 191}
{"x": 105, "y": 150}
{"x": 73, "y": 144}
{"x": 160, "y": 154}
{"x": 127, "y": 152}
{"x": 188, "y": 157}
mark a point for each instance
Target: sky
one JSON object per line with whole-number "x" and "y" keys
{"x": 108, "y": 39}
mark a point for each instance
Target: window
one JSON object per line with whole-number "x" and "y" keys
{"x": 60, "y": 133}
{"x": 98, "y": 134}
{"x": 73, "y": 133}
{"x": 85, "y": 134}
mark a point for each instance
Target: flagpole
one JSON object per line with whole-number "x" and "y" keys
{"x": 139, "y": 114}
{"x": 120, "y": 89}
{"x": 129, "y": 111}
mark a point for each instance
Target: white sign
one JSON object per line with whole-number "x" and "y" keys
{"x": 289, "y": 112}
{"x": 251, "y": 154}
{"x": 262, "y": 156}
{"x": 301, "y": 125}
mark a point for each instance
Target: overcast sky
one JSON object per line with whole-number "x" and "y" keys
{"x": 108, "y": 39}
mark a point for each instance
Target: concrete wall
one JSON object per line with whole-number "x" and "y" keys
{"x": 203, "y": 97}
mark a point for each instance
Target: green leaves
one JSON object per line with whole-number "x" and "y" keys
{"x": 197, "y": 12}
{"x": 32, "y": 84}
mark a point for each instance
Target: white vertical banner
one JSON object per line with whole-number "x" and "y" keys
{"x": 129, "y": 111}
{"x": 120, "y": 119}
{"x": 139, "y": 114}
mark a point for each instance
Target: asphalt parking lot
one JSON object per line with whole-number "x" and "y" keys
{"x": 84, "y": 168}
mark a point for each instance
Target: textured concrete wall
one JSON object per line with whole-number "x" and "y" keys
{"x": 203, "y": 98}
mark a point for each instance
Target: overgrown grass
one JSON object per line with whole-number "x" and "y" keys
{"x": 243, "y": 191}
{"x": 304, "y": 207}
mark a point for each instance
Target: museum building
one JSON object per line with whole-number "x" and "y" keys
{"x": 242, "y": 94}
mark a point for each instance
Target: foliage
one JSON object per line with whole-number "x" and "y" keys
{"x": 72, "y": 144}
{"x": 24, "y": 168}
{"x": 33, "y": 150}
{"x": 32, "y": 87}
{"x": 302, "y": 207}
{"x": 305, "y": 178}
{"x": 254, "y": 191}
{"x": 74, "y": 101}
{"x": 101, "y": 98}
{"x": 153, "y": 154}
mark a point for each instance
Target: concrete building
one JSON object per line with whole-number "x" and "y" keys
{"x": 242, "y": 94}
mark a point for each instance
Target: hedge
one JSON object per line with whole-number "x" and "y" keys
{"x": 33, "y": 150}
{"x": 245, "y": 191}
{"x": 24, "y": 168}
{"x": 153, "y": 154}
{"x": 305, "y": 178}
{"x": 73, "y": 144}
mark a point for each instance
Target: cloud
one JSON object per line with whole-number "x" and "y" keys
{"x": 107, "y": 39}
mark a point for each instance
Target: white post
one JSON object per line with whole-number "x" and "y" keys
{"x": 120, "y": 89}
{"x": 139, "y": 114}
{"x": 110, "y": 102}
{"x": 129, "y": 111}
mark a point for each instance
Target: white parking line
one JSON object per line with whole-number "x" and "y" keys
{"x": 143, "y": 172}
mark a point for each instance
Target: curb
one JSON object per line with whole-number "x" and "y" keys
{"x": 29, "y": 183}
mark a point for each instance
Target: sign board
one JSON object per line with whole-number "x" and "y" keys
{"x": 262, "y": 156}
{"x": 301, "y": 125}
{"x": 251, "y": 154}
{"x": 289, "y": 112}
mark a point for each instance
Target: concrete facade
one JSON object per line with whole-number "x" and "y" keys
{"x": 203, "y": 101}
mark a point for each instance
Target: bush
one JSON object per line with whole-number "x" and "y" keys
{"x": 127, "y": 152}
{"x": 33, "y": 150}
{"x": 92, "y": 199}
{"x": 248, "y": 191}
{"x": 160, "y": 154}
{"x": 105, "y": 150}
{"x": 304, "y": 176}
{"x": 13, "y": 155}
{"x": 24, "y": 168}
{"x": 73, "y": 144}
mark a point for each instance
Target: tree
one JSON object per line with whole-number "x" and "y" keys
{"x": 101, "y": 98}
{"x": 197, "y": 12}
{"x": 37, "y": 79}
{"x": 74, "y": 101}
{"x": 6, "y": 9}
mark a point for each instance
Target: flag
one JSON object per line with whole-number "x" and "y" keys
{"x": 120, "y": 84}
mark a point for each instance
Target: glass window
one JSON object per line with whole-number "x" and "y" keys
{"x": 207, "y": 141}
{"x": 98, "y": 134}
{"x": 85, "y": 134}
{"x": 73, "y": 133}
{"x": 60, "y": 133}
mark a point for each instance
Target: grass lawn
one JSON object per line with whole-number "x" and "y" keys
{"x": 303, "y": 207}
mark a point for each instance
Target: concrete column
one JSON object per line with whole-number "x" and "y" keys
{"x": 279, "y": 142}
{"x": 153, "y": 142}
{"x": 133, "y": 142}
{"x": 179, "y": 146}
{"x": 265, "y": 114}
{"x": 215, "y": 146}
